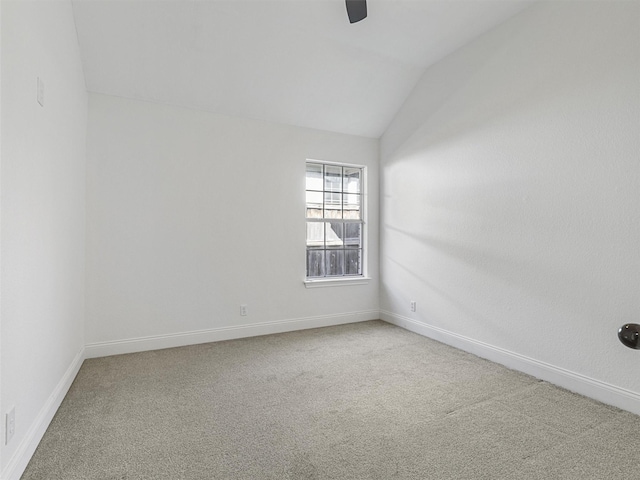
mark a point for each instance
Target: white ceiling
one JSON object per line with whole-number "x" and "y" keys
{"x": 296, "y": 62}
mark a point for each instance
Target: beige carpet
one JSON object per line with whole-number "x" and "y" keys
{"x": 361, "y": 401}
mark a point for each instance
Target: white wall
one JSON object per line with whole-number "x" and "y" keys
{"x": 1, "y": 430}
{"x": 191, "y": 214}
{"x": 42, "y": 218}
{"x": 510, "y": 192}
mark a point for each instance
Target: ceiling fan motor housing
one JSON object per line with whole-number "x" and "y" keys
{"x": 356, "y": 10}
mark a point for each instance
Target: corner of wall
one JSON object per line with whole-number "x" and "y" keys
{"x": 20, "y": 459}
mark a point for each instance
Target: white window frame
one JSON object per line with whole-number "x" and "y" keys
{"x": 363, "y": 278}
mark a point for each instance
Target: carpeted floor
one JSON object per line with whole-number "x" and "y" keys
{"x": 360, "y": 401}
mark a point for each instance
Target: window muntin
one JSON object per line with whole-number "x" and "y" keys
{"x": 335, "y": 223}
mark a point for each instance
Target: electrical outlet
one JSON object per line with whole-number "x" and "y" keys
{"x": 243, "y": 310}
{"x": 413, "y": 305}
{"x": 10, "y": 427}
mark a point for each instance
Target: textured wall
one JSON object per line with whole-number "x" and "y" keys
{"x": 191, "y": 214}
{"x": 510, "y": 190}
{"x": 43, "y": 222}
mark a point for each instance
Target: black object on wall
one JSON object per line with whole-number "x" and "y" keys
{"x": 356, "y": 10}
{"x": 629, "y": 335}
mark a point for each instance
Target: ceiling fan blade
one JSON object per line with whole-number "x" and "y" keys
{"x": 356, "y": 10}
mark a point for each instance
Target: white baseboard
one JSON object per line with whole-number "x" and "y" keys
{"x": 20, "y": 459}
{"x": 575, "y": 382}
{"x": 157, "y": 342}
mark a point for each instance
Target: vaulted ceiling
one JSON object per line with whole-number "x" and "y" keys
{"x": 297, "y": 62}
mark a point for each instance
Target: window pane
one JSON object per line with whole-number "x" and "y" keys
{"x": 352, "y": 235}
{"x": 314, "y": 176}
{"x": 334, "y": 245}
{"x": 315, "y": 235}
{"x": 314, "y": 204}
{"x": 332, "y": 178}
{"x": 315, "y": 263}
{"x": 353, "y": 262}
{"x": 334, "y": 234}
{"x": 333, "y": 205}
{"x": 334, "y": 262}
{"x": 351, "y": 180}
{"x": 352, "y": 206}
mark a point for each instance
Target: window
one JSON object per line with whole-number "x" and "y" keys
{"x": 335, "y": 222}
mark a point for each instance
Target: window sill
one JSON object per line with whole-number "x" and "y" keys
{"x": 336, "y": 282}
